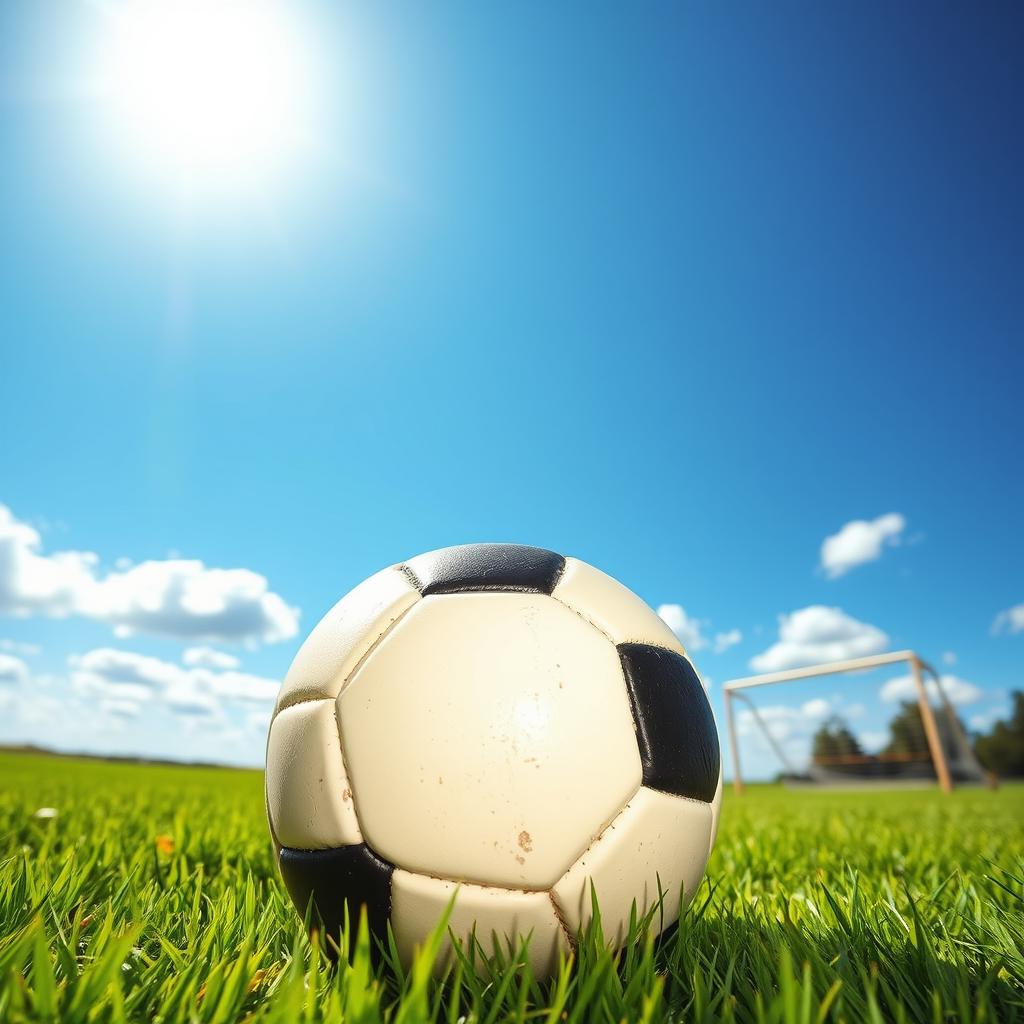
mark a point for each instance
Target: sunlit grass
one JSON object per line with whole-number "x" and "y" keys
{"x": 152, "y": 895}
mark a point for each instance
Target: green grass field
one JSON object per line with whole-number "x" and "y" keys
{"x": 152, "y": 895}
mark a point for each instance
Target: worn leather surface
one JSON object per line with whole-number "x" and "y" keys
{"x": 675, "y": 727}
{"x": 487, "y": 567}
{"x": 486, "y": 723}
{"x": 350, "y": 874}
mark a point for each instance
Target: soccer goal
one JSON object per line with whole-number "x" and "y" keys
{"x": 871, "y": 728}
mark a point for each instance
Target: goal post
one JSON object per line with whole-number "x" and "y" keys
{"x": 845, "y": 765}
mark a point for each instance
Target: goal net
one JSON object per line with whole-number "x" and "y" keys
{"x": 883, "y": 719}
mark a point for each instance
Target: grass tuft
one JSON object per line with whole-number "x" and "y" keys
{"x": 149, "y": 893}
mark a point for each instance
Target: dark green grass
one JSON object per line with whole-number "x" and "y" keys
{"x": 153, "y": 896}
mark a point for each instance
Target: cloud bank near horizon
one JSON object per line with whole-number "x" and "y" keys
{"x": 178, "y": 598}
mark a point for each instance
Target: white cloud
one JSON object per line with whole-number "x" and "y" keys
{"x": 107, "y": 675}
{"x": 957, "y": 690}
{"x": 1009, "y": 621}
{"x": 208, "y": 657}
{"x": 176, "y": 597}
{"x": 258, "y": 721}
{"x": 723, "y": 641}
{"x": 240, "y": 686}
{"x": 96, "y": 689}
{"x": 684, "y": 627}
{"x": 14, "y": 647}
{"x": 125, "y": 668}
{"x": 816, "y": 708}
{"x": 859, "y": 541}
{"x": 690, "y": 630}
{"x": 948, "y": 658}
{"x": 816, "y": 635}
{"x": 183, "y": 598}
{"x": 41, "y": 709}
{"x": 872, "y": 741}
{"x": 984, "y": 720}
{"x": 34, "y": 584}
{"x": 12, "y": 670}
{"x": 50, "y": 713}
{"x": 120, "y": 708}
{"x": 190, "y": 697}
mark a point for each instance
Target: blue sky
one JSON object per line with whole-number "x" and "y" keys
{"x": 680, "y": 292}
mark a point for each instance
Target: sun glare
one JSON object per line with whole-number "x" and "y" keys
{"x": 209, "y": 93}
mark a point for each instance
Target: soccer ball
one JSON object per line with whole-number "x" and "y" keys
{"x": 499, "y": 724}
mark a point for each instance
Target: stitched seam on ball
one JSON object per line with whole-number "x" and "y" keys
{"x": 274, "y": 841}
{"x": 355, "y": 668}
{"x": 411, "y": 577}
{"x": 369, "y": 650}
{"x": 464, "y": 881}
{"x": 487, "y": 588}
{"x": 609, "y": 637}
{"x": 585, "y": 618}
{"x": 660, "y": 647}
{"x": 299, "y": 703}
{"x": 607, "y": 825}
{"x": 469, "y": 882}
{"x": 562, "y": 922}
{"x": 266, "y": 792}
{"x": 348, "y": 777}
{"x": 561, "y": 573}
{"x": 679, "y": 796}
{"x": 643, "y": 741}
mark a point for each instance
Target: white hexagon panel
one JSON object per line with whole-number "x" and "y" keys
{"x": 497, "y": 725}
{"x": 489, "y": 739}
{"x": 653, "y": 853}
{"x": 611, "y": 607}
{"x": 309, "y": 799}
{"x": 495, "y": 918}
{"x": 345, "y": 634}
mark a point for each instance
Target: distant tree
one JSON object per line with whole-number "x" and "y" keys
{"x": 1002, "y": 750}
{"x": 832, "y": 744}
{"x": 907, "y": 735}
{"x": 833, "y": 739}
{"x": 906, "y": 731}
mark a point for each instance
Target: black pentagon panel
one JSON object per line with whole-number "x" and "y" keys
{"x": 674, "y": 725}
{"x": 474, "y": 567}
{"x": 352, "y": 874}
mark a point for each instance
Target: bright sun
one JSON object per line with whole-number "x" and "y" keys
{"x": 209, "y": 92}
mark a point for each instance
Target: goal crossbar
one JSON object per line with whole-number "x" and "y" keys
{"x": 917, "y": 667}
{"x": 829, "y": 668}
